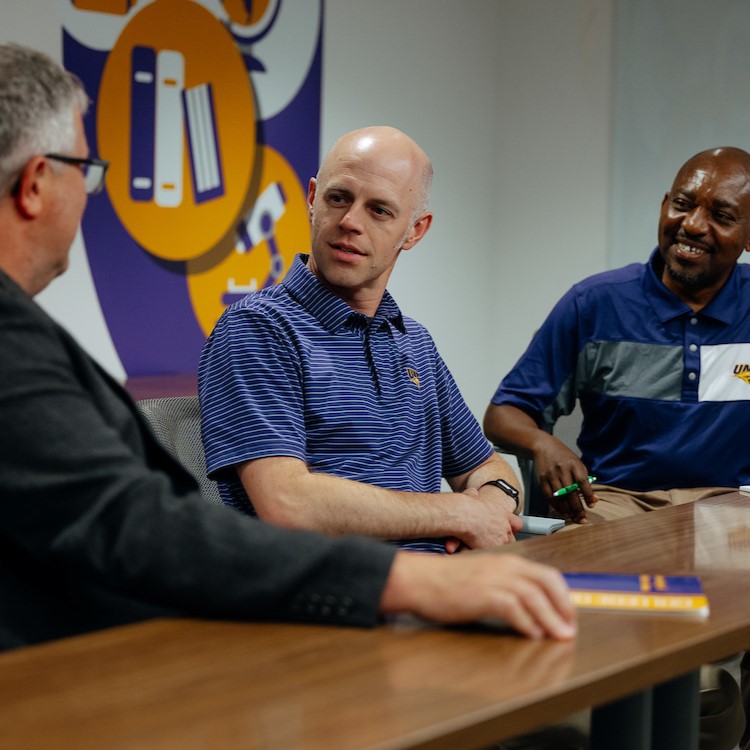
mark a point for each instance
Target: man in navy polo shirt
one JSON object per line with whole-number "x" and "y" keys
{"x": 323, "y": 406}
{"x": 658, "y": 354}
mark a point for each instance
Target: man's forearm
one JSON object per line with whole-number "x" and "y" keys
{"x": 283, "y": 491}
{"x": 290, "y": 495}
{"x": 512, "y": 430}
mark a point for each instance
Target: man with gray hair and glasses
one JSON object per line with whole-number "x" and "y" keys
{"x": 100, "y": 525}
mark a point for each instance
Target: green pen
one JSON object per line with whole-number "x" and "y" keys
{"x": 571, "y": 488}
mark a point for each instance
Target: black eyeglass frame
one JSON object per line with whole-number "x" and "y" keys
{"x": 101, "y": 164}
{"x": 75, "y": 161}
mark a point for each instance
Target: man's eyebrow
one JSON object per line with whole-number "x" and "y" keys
{"x": 333, "y": 188}
{"x": 731, "y": 203}
{"x": 386, "y": 203}
{"x": 716, "y": 202}
{"x": 724, "y": 203}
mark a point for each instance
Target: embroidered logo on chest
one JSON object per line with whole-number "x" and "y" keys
{"x": 413, "y": 375}
{"x": 742, "y": 372}
{"x": 725, "y": 372}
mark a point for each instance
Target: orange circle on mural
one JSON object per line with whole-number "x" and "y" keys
{"x": 272, "y": 232}
{"x": 176, "y": 121}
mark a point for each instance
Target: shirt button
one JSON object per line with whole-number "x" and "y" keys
{"x": 693, "y": 348}
{"x": 692, "y": 376}
{"x": 693, "y": 321}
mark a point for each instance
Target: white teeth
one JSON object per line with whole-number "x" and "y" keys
{"x": 689, "y": 249}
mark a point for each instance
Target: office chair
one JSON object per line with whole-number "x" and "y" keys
{"x": 176, "y": 422}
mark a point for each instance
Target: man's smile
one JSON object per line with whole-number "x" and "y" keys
{"x": 683, "y": 249}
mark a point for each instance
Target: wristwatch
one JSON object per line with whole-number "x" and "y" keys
{"x": 508, "y": 489}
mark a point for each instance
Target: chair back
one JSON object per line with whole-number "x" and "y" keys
{"x": 176, "y": 422}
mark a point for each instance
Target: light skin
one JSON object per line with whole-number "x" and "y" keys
{"x": 39, "y": 222}
{"x": 41, "y": 219}
{"x": 363, "y": 209}
{"x": 704, "y": 227}
{"x": 529, "y": 597}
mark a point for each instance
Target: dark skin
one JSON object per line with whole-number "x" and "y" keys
{"x": 704, "y": 227}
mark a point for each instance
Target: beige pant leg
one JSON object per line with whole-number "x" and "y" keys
{"x": 617, "y": 502}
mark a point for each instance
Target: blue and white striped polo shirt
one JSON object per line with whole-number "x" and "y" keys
{"x": 665, "y": 391}
{"x": 292, "y": 370}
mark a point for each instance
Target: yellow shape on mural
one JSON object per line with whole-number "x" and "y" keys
{"x": 274, "y": 228}
{"x": 176, "y": 120}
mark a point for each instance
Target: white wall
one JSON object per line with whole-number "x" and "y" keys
{"x": 511, "y": 99}
{"x": 550, "y": 209}
{"x": 671, "y": 103}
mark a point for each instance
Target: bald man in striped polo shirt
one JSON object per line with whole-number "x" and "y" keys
{"x": 326, "y": 408}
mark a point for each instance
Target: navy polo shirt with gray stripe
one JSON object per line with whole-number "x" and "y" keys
{"x": 292, "y": 370}
{"x": 665, "y": 392}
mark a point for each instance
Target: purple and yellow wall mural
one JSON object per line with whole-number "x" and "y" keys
{"x": 209, "y": 114}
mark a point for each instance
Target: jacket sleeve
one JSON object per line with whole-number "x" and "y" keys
{"x": 86, "y": 490}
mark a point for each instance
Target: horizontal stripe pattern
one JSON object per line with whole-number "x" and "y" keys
{"x": 293, "y": 371}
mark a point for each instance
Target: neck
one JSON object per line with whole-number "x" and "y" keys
{"x": 695, "y": 299}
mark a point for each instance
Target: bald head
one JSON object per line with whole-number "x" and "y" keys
{"x": 728, "y": 159}
{"x": 390, "y": 149}
{"x": 366, "y": 206}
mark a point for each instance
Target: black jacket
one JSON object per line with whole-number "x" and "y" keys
{"x": 100, "y": 526}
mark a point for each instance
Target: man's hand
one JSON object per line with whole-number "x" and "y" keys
{"x": 491, "y": 518}
{"x": 530, "y": 597}
{"x": 483, "y": 515}
{"x": 490, "y": 521}
{"x": 557, "y": 466}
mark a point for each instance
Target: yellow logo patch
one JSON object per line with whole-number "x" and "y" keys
{"x": 742, "y": 372}
{"x": 413, "y": 376}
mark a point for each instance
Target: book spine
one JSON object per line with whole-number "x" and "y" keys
{"x": 653, "y": 602}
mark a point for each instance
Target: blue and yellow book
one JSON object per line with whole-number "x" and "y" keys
{"x": 638, "y": 593}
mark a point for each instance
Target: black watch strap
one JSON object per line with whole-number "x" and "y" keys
{"x": 508, "y": 489}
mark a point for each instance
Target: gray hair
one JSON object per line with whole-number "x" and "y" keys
{"x": 38, "y": 103}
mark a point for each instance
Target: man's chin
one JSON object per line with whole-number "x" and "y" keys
{"x": 689, "y": 278}
{"x": 62, "y": 267}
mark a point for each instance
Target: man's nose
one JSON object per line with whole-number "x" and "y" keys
{"x": 351, "y": 221}
{"x": 696, "y": 222}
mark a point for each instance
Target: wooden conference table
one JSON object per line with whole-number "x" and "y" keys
{"x": 188, "y": 684}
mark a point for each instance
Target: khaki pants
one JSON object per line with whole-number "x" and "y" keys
{"x": 616, "y": 502}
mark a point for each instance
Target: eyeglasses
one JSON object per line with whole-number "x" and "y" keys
{"x": 93, "y": 170}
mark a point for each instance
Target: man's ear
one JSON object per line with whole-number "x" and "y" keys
{"x": 31, "y": 183}
{"x": 310, "y": 197}
{"x": 418, "y": 230}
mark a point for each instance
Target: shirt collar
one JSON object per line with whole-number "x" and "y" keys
{"x": 668, "y": 305}
{"x": 331, "y": 311}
